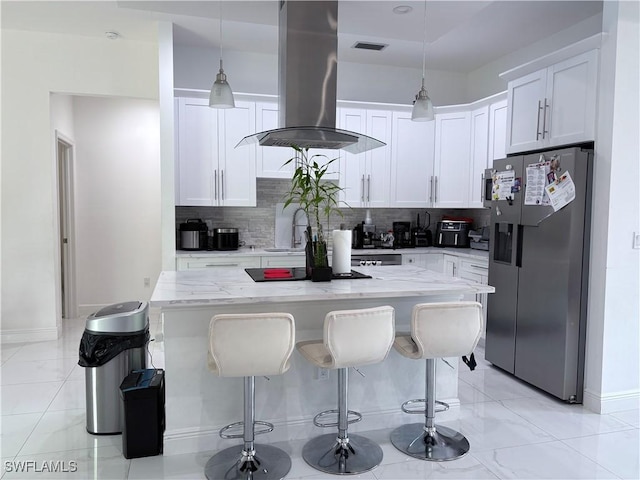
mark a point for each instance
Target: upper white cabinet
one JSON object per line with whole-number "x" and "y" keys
{"x": 411, "y": 161}
{"x": 553, "y": 106}
{"x": 479, "y": 155}
{"x": 271, "y": 160}
{"x": 452, "y": 159}
{"x": 210, "y": 170}
{"x": 364, "y": 177}
{"x": 497, "y": 131}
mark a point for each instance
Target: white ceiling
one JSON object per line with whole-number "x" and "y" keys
{"x": 461, "y": 35}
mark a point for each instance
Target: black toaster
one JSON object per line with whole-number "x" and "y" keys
{"x": 452, "y": 233}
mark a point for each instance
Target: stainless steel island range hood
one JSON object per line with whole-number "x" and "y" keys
{"x": 307, "y": 64}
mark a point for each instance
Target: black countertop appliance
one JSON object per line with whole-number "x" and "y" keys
{"x": 402, "y": 235}
{"x": 225, "y": 239}
{"x": 193, "y": 234}
{"x": 452, "y": 233}
{"x": 422, "y": 235}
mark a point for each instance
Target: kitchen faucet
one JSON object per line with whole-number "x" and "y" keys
{"x": 295, "y": 242}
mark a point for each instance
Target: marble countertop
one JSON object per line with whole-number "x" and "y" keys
{"x": 232, "y": 285}
{"x": 462, "y": 252}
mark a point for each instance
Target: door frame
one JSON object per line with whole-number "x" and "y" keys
{"x": 65, "y": 207}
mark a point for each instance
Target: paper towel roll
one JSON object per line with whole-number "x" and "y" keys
{"x": 341, "y": 262}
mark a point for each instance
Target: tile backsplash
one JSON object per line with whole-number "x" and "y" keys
{"x": 256, "y": 225}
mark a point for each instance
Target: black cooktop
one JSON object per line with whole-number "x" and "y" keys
{"x": 294, "y": 273}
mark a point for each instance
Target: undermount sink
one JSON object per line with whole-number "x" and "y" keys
{"x": 284, "y": 249}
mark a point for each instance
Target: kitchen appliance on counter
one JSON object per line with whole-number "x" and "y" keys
{"x": 422, "y": 236}
{"x": 363, "y": 236}
{"x": 402, "y": 237}
{"x": 452, "y": 233}
{"x": 479, "y": 239}
{"x": 193, "y": 234}
{"x": 538, "y": 264}
{"x": 225, "y": 239}
{"x": 375, "y": 259}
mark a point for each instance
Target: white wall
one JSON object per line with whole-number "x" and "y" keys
{"x": 117, "y": 200}
{"x": 33, "y": 65}
{"x": 196, "y": 68}
{"x": 612, "y": 380}
{"x": 485, "y": 80}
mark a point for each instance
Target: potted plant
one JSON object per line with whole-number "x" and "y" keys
{"x": 318, "y": 198}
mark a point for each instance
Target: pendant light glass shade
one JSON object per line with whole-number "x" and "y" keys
{"x": 422, "y": 106}
{"x": 221, "y": 95}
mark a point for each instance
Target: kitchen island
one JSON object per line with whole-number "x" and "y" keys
{"x": 199, "y": 403}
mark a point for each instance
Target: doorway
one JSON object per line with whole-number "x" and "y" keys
{"x": 64, "y": 160}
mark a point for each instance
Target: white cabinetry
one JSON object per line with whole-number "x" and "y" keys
{"x": 211, "y": 262}
{"x": 452, "y": 157}
{"x": 450, "y": 265}
{"x": 476, "y": 271}
{"x": 270, "y": 160}
{"x": 479, "y": 155}
{"x": 364, "y": 177}
{"x": 553, "y": 106}
{"x": 411, "y": 162}
{"x": 210, "y": 170}
{"x": 497, "y": 131}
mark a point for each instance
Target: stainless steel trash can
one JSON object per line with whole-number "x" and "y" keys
{"x": 113, "y": 344}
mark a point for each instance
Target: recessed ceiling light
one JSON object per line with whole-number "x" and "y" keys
{"x": 112, "y": 35}
{"x": 402, "y": 9}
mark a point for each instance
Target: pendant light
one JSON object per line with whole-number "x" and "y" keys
{"x": 422, "y": 106}
{"x": 221, "y": 95}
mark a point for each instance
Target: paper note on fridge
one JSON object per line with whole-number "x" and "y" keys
{"x": 502, "y": 184}
{"x": 537, "y": 179}
{"x": 561, "y": 192}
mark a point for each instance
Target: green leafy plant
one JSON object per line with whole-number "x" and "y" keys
{"x": 317, "y": 196}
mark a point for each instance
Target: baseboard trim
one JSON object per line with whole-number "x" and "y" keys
{"x": 611, "y": 402}
{"x": 29, "y": 335}
{"x": 178, "y": 442}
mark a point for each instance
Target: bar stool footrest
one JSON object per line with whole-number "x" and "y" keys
{"x": 423, "y": 411}
{"x": 267, "y": 427}
{"x": 317, "y": 420}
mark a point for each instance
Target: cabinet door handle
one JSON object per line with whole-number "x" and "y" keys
{"x": 431, "y": 189}
{"x": 435, "y": 192}
{"x": 544, "y": 119}
{"x": 215, "y": 184}
{"x": 538, "y": 132}
{"x": 368, "y": 188}
{"x": 481, "y": 187}
{"x": 221, "y": 265}
{"x": 222, "y": 184}
{"x": 362, "y": 190}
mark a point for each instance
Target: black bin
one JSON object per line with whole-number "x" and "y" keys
{"x": 142, "y": 397}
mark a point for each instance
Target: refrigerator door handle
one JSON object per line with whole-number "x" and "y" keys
{"x": 519, "y": 237}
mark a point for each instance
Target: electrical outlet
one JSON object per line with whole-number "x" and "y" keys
{"x": 147, "y": 282}
{"x": 322, "y": 373}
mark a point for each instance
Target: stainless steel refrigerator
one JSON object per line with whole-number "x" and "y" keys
{"x": 539, "y": 262}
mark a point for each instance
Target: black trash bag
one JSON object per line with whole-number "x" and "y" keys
{"x": 96, "y": 350}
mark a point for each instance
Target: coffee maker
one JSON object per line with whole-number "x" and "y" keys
{"x": 363, "y": 236}
{"x": 402, "y": 237}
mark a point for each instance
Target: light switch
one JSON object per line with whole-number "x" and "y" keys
{"x": 636, "y": 240}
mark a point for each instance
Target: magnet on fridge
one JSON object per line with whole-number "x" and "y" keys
{"x": 509, "y": 167}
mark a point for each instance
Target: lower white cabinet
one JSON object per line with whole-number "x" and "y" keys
{"x": 450, "y": 265}
{"x": 243, "y": 261}
{"x": 282, "y": 261}
{"x": 477, "y": 271}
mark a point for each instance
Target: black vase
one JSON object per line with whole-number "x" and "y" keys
{"x": 321, "y": 274}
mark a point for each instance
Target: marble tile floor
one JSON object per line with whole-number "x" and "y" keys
{"x": 515, "y": 431}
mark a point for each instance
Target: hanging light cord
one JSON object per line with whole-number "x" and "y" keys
{"x": 424, "y": 42}
{"x": 220, "y": 16}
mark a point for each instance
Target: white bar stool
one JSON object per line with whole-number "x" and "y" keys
{"x": 248, "y": 346}
{"x": 352, "y": 338}
{"x": 438, "y": 330}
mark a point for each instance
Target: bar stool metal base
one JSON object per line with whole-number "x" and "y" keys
{"x": 446, "y": 444}
{"x": 267, "y": 463}
{"x": 327, "y": 454}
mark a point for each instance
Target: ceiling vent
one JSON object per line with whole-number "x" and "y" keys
{"x": 370, "y": 46}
